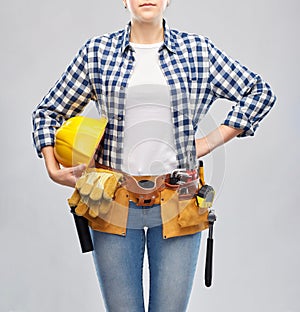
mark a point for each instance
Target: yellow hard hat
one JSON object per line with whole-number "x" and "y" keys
{"x": 77, "y": 140}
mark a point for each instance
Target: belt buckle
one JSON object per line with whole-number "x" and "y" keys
{"x": 142, "y": 201}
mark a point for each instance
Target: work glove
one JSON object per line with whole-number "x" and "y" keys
{"x": 96, "y": 188}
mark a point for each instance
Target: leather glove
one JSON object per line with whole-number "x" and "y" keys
{"x": 96, "y": 188}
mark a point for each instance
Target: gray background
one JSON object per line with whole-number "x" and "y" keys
{"x": 256, "y": 264}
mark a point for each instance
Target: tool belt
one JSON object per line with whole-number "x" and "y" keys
{"x": 146, "y": 190}
{"x": 177, "y": 193}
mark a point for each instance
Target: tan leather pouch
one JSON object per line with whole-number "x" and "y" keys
{"x": 190, "y": 214}
{"x": 114, "y": 221}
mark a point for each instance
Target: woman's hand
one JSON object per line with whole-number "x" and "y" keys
{"x": 63, "y": 176}
{"x": 214, "y": 139}
{"x": 67, "y": 176}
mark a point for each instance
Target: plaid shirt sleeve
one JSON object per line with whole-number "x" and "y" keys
{"x": 67, "y": 98}
{"x": 252, "y": 96}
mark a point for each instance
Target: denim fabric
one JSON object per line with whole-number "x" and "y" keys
{"x": 119, "y": 264}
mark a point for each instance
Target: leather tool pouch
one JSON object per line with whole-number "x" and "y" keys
{"x": 114, "y": 221}
{"x": 189, "y": 213}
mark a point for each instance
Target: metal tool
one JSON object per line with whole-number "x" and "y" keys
{"x": 204, "y": 198}
{"x": 209, "y": 249}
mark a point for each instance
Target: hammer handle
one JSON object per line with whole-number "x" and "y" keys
{"x": 208, "y": 264}
{"x": 83, "y": 232}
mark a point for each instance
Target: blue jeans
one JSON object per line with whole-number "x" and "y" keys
{"x": 119, "y": 264}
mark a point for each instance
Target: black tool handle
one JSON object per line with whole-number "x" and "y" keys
{"x": 208, "y": 264}
{"x": 83, "y": 232}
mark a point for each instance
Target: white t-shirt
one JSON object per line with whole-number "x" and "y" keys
{"x": 149, "y": 144}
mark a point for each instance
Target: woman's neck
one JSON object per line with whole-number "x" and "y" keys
{"x": 146, "y": 33}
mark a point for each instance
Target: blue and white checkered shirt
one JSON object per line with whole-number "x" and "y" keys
{"x": 197, "y": 73}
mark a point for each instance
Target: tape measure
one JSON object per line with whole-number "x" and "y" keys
{"x": 205, "y": 196}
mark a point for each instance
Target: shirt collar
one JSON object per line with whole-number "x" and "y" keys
{"x": 169, "y": 41}
{"x": 126, "y": 36}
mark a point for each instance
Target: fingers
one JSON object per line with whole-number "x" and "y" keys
{"x": 78, "y": 170}
{"x": 67, "y": 176}
{"x": 87, "y": 187}
{"x": 94, "y": 210}
{"x": 110, "y": 187}
{"x": 80, "y": 182}
{"x": 97, "y": 191}
{"x": 81, "y": 209}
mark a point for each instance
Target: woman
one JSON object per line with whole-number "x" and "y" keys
{"x": 154, "y": 85}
